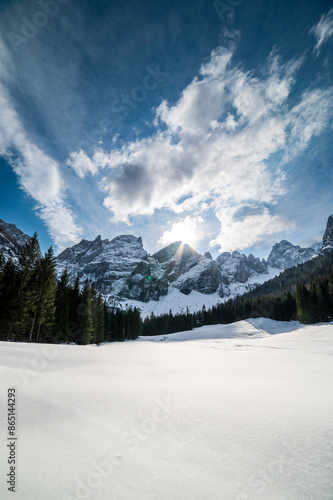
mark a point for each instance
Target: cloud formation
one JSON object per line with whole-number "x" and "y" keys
{"x": 216, "y": 147}
{"x": 38, "y": 174}
{"x": 323, "y": 30}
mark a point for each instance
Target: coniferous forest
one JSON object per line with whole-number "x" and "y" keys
{"x": 38, "y": 307}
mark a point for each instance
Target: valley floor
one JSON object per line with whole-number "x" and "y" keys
{"x": 233, "y": 412}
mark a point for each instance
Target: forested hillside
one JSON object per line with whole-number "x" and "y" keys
{"x": 36, "y": 307}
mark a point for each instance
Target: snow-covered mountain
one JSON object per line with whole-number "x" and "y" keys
{"x": 12, "y": 240}
{"x": 285, "y": 255}
{"x": 120, "y": 268}
{"x": 126, "y": 274}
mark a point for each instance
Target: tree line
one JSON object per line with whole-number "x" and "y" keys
{"x": 311, "y": 303}
{"x": 36, "y": 307}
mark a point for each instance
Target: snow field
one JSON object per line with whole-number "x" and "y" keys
{"x": 239, "y": 412}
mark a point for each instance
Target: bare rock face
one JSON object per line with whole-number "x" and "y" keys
{"x": 285, "y": 255}
{"x": 328, "y": 235}
{"x": 186, "y": 270}
{"x": 237, "y": 267}
{"x": 120, "y": 267}
{"x": 176, "y": 259}
{"x": 203, "y": 277}
{"x": 12, "y": 240}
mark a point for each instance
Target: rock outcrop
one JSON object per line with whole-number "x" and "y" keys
{"x": 328, "y": 235}
{"x": 285, "y": 255}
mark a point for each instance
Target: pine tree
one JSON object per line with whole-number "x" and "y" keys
{"x": 29, "y": 261}
{"x": 46, "y": 304}
{"x": 107, "y": 324}
{"x": 305, "y": 305}
{"x": 86, "y": 320}
{"x": 100, "y": 320}
{"x": 134, "y": 323}
{"x": 73, "y": 327}
{"x": 322, "y": 290}
{"x": 62, "y": 307}
{"x": 9, "y": 311}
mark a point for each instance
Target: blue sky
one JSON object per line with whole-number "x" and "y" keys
{"x": 209, "y": 122}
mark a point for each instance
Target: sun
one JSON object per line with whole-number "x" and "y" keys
{"x": 186, "y": 231}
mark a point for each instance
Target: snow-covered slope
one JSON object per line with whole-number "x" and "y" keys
{"x": 179, "y": 302}
{"x": 244, "y": 411}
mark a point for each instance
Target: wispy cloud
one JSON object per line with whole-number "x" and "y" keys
{"x": 323, "y": 30}
{"x": 215, "y": 147}
{"x": 38, "y": 174}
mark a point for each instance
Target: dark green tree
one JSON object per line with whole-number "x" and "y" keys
{"x": 85, "y": 318}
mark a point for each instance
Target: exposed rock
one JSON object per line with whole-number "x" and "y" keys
{"x": 237, "y": 267}
{"x": 285, "y": 255}
{"x": 120, "y": 267}
{"x": 204, "y": 277}
{"x": 12, "y": 240}
{"x": 176, "y": 259}
{"x": 328, "y": 235}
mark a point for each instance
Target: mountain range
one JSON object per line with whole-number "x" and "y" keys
{"x": 124, "y": 271}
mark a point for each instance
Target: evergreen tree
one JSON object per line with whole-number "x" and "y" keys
{"x": 29, "y": 260}
{"x": 134, "y": 324}
{"x": 46, "y": 304}
{"x": 86, "y": 320}
{"x": 73, "y": 327}
{"x": 62, "y": 303}
{"x": 304, "y": 301}
{"x": 323, "y": 300}
{"x": 99, "y": 320}
{"x": 9, "y": 310}
{"x": 107, "y": 324}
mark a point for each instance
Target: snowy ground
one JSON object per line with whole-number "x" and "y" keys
{"x": 239, "y": 412}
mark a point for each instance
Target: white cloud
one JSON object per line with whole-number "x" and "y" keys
{"x": 215, "y": 148}
{"x": 38, "y": 174}
{"x": 308, "y": 119}
{"x": 81, "y": 164}
{"x": 249, "y": 231}
{"x": 323, "y": 30}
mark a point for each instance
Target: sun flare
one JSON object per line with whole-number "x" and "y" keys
{"x": 186, "y": 231}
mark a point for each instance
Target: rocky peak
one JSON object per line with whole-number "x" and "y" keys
{"x": 176, "y": 259}
{"x": 285, "y": 255}
{"x": 237, "y": 267}
{"x": 328, "y": 235}
{"x": 12, "y": 240}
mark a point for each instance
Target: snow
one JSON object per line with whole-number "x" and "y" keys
{"x": 176, "y": 301}
{"x": 235, "y": 412}
{"x": 179, "y": 302}
{"x": 254, "y": 280}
